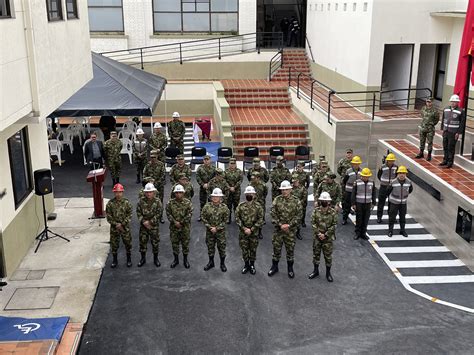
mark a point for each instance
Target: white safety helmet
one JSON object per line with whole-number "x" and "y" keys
{"x": 157, "y": 125}
{"x": 285, "y": 185}
{"x": 249, "y": 190}
{"x": 455, "y": 98}
{"x": 149, "y": 187}
{"x": 176, "y": 115}
{"x": 217, "y": 192}
{"x": 140, "y": 131}
{"x": 178, "y": 188}
{"x": 325, "y": 196}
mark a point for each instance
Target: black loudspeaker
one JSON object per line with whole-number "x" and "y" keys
{"x": 43, "y": 182}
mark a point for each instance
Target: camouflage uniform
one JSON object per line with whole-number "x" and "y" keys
{"x": 334, "y": 190}
{"x": 119, "y": 211}
{"x": 112, "y": 149}
{"x": 180, "y": 211}
{"x": 139, "y": 155}
{"x": 319, "y": 176}
{"x": 278, "y": 174}
{"x": 188, "y": 190}
{"x": 234, "y": 179}
{"x": 204, "y": 174}
{"x": 158, "y": 142}
{"x": 343, "y": 165}
{"x": 429, "y": 120}
{"x": 157, "y": 171}
{"x": 176, "y": 132}
{"x": 264, "y": 175}
{"x": 215, "y": 216}
{"x": 176, "y": 170}
{"x": 303, "y": 177}
{"x": 302, "y": 195}
{"x": 249, "y": 215}
{"x": 262, "y": 192}
{"x": 323, "y": 222}
{"x": 149, "y": 210}
{"x": 221, "y": 183}
{"x": 285, "y": 210}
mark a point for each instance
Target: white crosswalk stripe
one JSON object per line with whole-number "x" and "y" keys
{"x": 427, "y": 263}
{"x": 402, "y": 250}
{"x": 439, "y": 279}
{"x": 399, "y": 237}
{"x": 384, "y": 226}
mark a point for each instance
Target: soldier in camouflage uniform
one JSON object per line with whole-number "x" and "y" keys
{"x": 264, "y": 175}
{"x": 317, "y": 166}
{"x": 429, "y": 120}
{"x": 113, "y": 159}
{"x": 158, "y": 142}
{"x": 345, "y": 163}
{"x": 277, "y": 175}
{"x": 324, "y": 221}
{"x": 286, "y": 217}
{"x": 218, "y": 181}
{"x": 249, "y": 218}
{"x": 319, "y": 176}
{"x": 146, "y": 180}
{"x": 302, "y": 195}
{"x": 179, "y": 211}
{"x": 119, "y": 214}
{"x": 187, "y": 185}
{"x": 204, "y": 174}
{"x": 262, "y": 192}
{"x": 179, "y": 168}
{"x": 330, "y": 186}
{"x": 157, "y": 171}
{"x": 305, "y": 179}
{"x": 234, "y": 177}
{"x": 149, "y": 210}
{"x": 176, "y": 132}
{"x": 214, "y": 216}
{"x": 139, "y": 154}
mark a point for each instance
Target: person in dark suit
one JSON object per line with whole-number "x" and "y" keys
{"x": 94, "y": 152}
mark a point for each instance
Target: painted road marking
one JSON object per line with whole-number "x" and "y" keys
{"x": 426, "y": 263}
{"x": 438, "y": 279}
{"x": 399, "y": 237}
{"x": 404, "y": 250}
{"x": 384, "y": 226}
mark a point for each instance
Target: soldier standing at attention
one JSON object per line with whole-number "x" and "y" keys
{"x": 264, "y": 176}
{"x": 186, "y": 184}
{"x": 112, "y": 149}
{"x": 324, "y": 221}
{"x": 179, "y": 168}
{"x": 139, "y": 154}
{"x": 249, "y": 218}
{"x": 262, "y": 192}
{"x": 344, "y": 163}
{"x": 205, "y": 172}
{"x": 321, "y": 173}
{"x": 277, "y": 175}
{"x": 176, "y": 132}
{"x": 179, "y": 211}
{"x": 157, "y": 171}
{"x": 304, "y": 179}
{"x": 398, "y": 192}
{"x": 158, "y": 142}
{"x": 316, "y": 168}
{"x": 234, "y": 177}
{"x": 429, "y": 120}
{"x": 301, "y": 194}
{"x": 330, "y": 186}
{"x": 454, "y": 119}
{"x": 215, "y": 214}
{"x": 119, "y": 215}
{"x": 218, "y": 181}
{"x": 149, "y": 209}
{"x": 286, "y": 217}
{"x": 363, "y": 200}
{"x": 146, "y": 180}
{"x": 386, "y": 174}
{"x": 350, "y": 177}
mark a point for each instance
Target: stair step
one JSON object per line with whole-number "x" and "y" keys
{"x": 268, "y": 128}
{"x": 242, "y": 143}
{"x": 465, "y": 162}
{"x": 414, "y": 138}
{"x": 247, "y": 95}
{"x": 270, "y": 135}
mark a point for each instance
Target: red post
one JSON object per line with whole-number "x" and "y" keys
{"x": 97, "y": 177}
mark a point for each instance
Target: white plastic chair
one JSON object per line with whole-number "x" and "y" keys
{"x": 125, "y": 133}
{"x": 77, "y": 131}
{"x": 66, "y": 137}
{"x": 130, "y": 126}
{"x": 127, "y": 148}
{"x": 100, "y": 135}
{"x": 55, "y": 148}
{"x": 85, "y": 123}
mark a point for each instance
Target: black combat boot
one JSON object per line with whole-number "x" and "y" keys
{"x": 162, "y": 221}
{"x": 210, "y": 264}
{"x": 252, "y": 268}
{"x": 260, "y": 235}
{"x": 420, "y": 155}
{"x": 3, "y": 283}
{"x": 298, "y": 234}
{"x": 246, "y": 268}
{"x": 390, "y": 234}
{"x": 328, "y": 274}
{"x": 175, "y": 261}
{"x": 315, "y": 272}
{"x": 138, "y": 179}
{"x": 303, "y": 223}
{"x": 274, "y": 268}
{"x": 443, "y": 163}
{"x": 223, "y": 267}
{"x": 129, "y": 259}
{"x": 185, "y": 261}
{"x": 118, "y": 180}
{"x": 114, "y": 181}
{"x": 291, "y": 273}
{"x": 428, "y": 157}
{"x": 114, "y": 261}
{"x": 142, "y": 260}
{"x": 156, "y": 261}
{"x": 405, "y": 234}
{"x": 230, "y": 217}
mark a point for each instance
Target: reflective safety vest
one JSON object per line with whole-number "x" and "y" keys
{"x": 400, "y": 192}
{"x": 388, "y": 174}
{"x": 364, "y": 191}
{"x": 139, "y": 146}
{"x": 353, "y": 176}
{"x": 452, "y": 119}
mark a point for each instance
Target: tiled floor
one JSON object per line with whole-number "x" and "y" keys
{"x": 263, "y": 116}
{"x": 457, "y": 177}
{"x": 252, "y": 84}
{"x": 29, "y": 347}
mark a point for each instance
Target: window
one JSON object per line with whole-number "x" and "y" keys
{"x": 354, "y": 6}
{"x": 20, "y": 166}
{"x": 337, "y": 6}
{"x": 71, "y": 8}
{"x": 329, "y": 7}
{"x": 365, "y": 7}
{"x": 440, "y": 70}
{"x": 195, "y": 15}
{"x": 5, "y": 9}
{"x": 345, "y": 6}
{"x": 55, "y": 11}
{"x": 106, "y": 15}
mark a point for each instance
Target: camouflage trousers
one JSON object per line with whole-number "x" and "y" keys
{"x": 161, "y": 193}
{"x": 262, "y": 203}
{"x": 149, "y": 234}
{"x": 115, "y": 167}
{"x": 180, "y": 237}
{"x": 326, "y": 247}
{"x": 140, "y": 163}
{"x": 178, "y": 143}
{"x": 304, "y": 204}
{"x": 203, "y": 197}
{"x": 280, "y": 238}
{"x": 248, "y": 244}
{"x": 218, "y": 238}
{"x": 115, "y": 236}
{"x": 426, "y": 136}
{"x": 233, "y": 200}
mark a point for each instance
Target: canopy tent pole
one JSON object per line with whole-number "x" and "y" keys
{"x": 166, "y": 115}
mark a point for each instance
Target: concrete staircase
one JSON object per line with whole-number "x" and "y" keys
{"x": 258, "y": 97}
{"x": 299, "y": 63}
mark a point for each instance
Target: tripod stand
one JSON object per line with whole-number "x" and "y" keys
{"x": 44, "y": 235}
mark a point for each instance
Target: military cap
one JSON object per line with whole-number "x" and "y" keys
{"x": 219, "y": 171}
{"x": 148, "y": 179}
{"x": 301, "y": 162}
{"x": 207, "y": 156}
{"x": 324, "y": 162}
{"x": 113, "y": 132}
{"x": 180, "y": 156}
{"x": 256, "y": 160}
{"x": 182, "y": 175}
{"x": 331, "y": 176}
{"x": 322, "y": 157}
{"x": 255, "y": 173}
{"x": 294, "y": 178}
{"x": 429, "y": 99}
{"x": 232, "y": 160}
{"x": 279, "y": 158}
{"x": 349, "y": 150}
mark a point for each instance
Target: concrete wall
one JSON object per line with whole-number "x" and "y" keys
{"x": 396, "y": 71}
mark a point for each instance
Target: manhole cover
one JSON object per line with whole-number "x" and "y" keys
{"x": 32, "y": 298}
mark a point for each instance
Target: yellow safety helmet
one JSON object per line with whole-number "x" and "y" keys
{"x": 402, "y": 169}
{"x": 366, "y": 172}
{"x": 390, "y": 157}
{"x": 356, "y": 160}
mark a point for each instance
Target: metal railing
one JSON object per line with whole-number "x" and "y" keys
{"x": 309, "y": 47}
{"x": 469, "y": 114}
{"x": 275, "y": 63}
{"x": 217, "y": 47}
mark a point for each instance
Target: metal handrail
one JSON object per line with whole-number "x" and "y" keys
{"x": 272, "y": 68}
{"x": 309, "y": 46}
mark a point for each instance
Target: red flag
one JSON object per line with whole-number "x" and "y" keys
{"x": 467, "y": 49}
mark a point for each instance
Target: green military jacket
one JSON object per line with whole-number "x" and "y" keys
{"x": 112, "y": 149}
{"x": 215, "y": 216}
{"x": 234, "y": 178}
{"x": 319, "y": 177}
{"x": 249, "y": 215}
{"x": 157, "y": 171}
{"x": 301, "y": 194}
{"x": 176, "y": 170}
{"x": 176, "y": 129}
{"x": 119, "y": 211}
{"x": 286, "y": 210}
{"x": 277, "y": 175}
{"x": 221, "y": 183}
{"x": 324, "y": 222}
{"x": 264, "y": 176}
{"x": 261, "y": 189}
{"x": 303, "y": 177}
{"x": 204, "y": 174}
{"x": 188, "y": 190}
{"x": 342, "y": 166}
{"x": 333, "y": 189}
{"x": 157, "y": 142}
{"x": 429, "y": 118}
{"x": 149, "y": 210}
{"x": 179, "y": 211}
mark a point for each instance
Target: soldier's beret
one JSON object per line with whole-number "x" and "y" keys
{"x": 232, "y": 160}
{"x": 256, "y": 160}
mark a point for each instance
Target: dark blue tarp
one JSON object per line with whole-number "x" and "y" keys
{"x": 23, "y": 329}
{"x": 116, "y": 89}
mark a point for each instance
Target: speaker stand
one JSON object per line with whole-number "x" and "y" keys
{"x": 45, "y": 234}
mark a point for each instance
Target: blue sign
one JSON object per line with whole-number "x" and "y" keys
{"x": 23, "y": 329}
{"x": 211, "y": 148}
